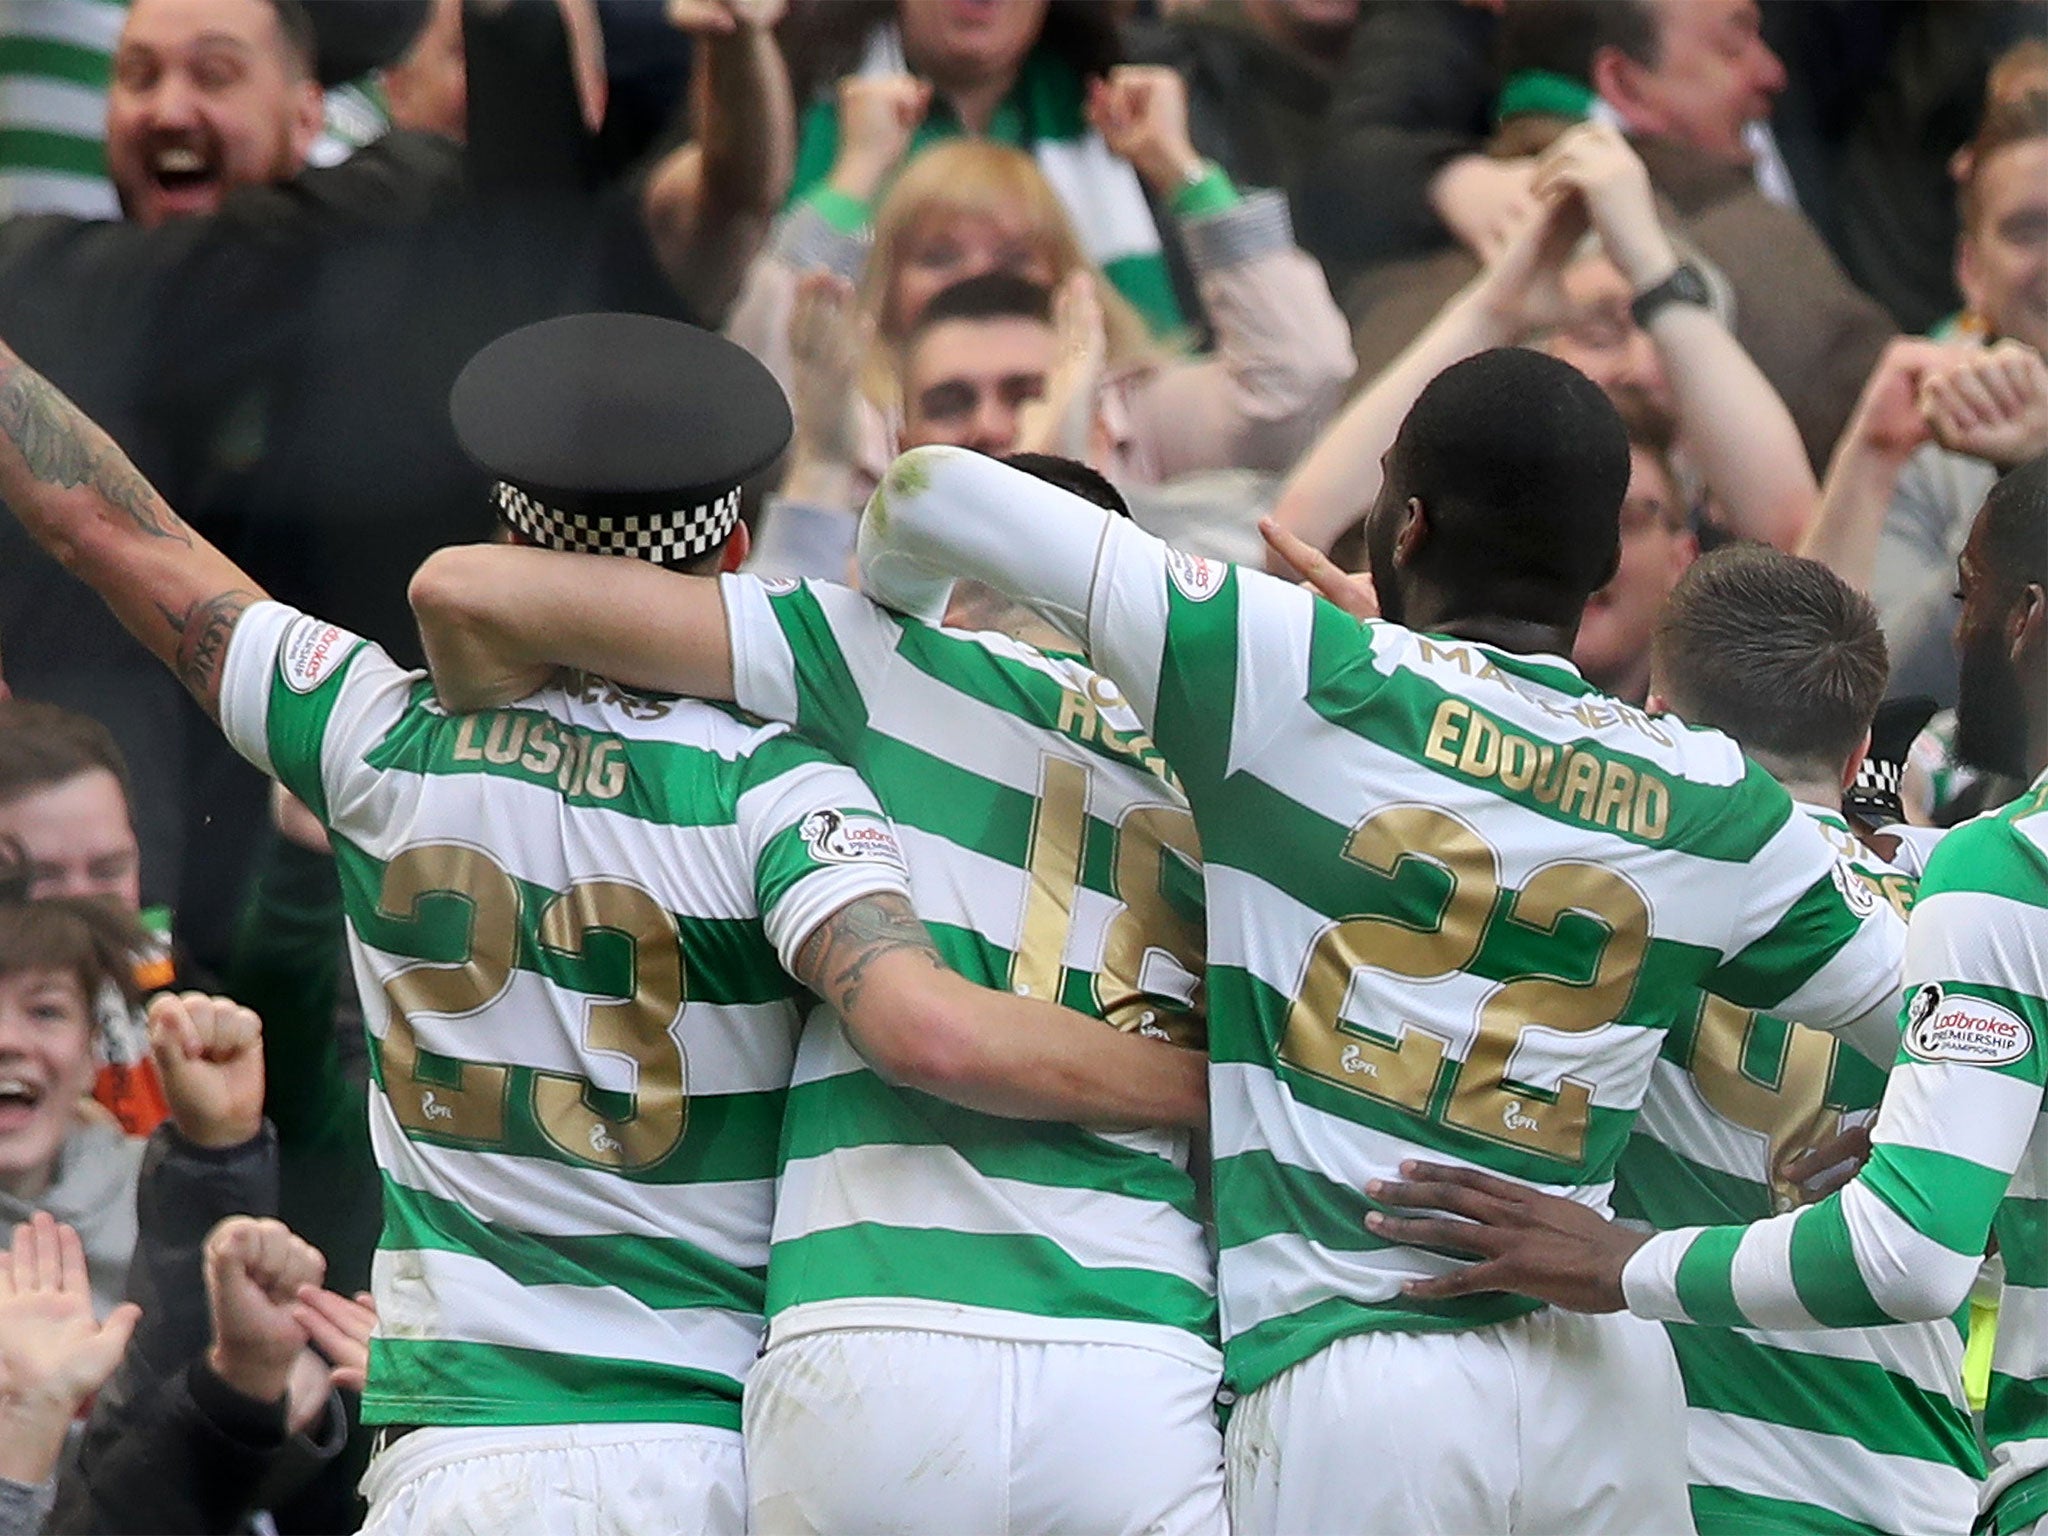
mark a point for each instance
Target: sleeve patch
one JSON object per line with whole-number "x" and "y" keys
{"x": 313, "y": 651}
{"x": 842, "y": 837}
{"x": 1855, "y": 890}
{"x": 1964, "y": 1029}
{"x": 1197, "y": 576}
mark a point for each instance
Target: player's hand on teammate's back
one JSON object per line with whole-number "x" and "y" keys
{"x": 1821, "y": 1170}
{"x": 209, "y": 1052}
{"x": 1525, "y": 1241}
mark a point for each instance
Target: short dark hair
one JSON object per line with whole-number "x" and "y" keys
{"x": 2015, "y": 519}
{"x": 301, "y": 39}
{"x": 1777, "y": 651}
{"x": 1520, "y": 464}
{"x": 985, "y": 296}
{"x": 2007, "y": 122}
{"x": 94, "y": 940}
{"x": 1071, "y": 475}
{"x": 1562, "y": 36}
{"x": 43, "y": 745}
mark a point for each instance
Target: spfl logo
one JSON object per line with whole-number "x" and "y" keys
{"x": 835, "y": 837}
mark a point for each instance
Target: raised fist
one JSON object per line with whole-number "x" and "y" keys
{"x": 878, "y": 117}
{"x": 1991, "y": 404}
{"x": 255, "y": 1267}
{"x": 209, "y": 1052}
{"x": 1141, "y": 111}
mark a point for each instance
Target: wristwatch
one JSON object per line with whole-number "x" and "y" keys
{"x": 1685, "y": 285}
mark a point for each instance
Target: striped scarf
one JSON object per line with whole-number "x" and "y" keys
{"x": 1042, "y": 114}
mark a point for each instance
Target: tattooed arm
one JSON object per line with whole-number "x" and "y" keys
{"x": 921, "y": 1024}
{"x": 75, "y": 492}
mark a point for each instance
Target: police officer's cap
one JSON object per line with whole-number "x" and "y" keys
{"x": 619, "y": 434}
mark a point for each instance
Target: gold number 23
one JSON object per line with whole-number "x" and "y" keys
{"x": 1430, "y": 850}
{"x": 470, "y": 1105}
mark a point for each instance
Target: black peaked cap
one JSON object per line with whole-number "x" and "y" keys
{"x": 619, "y": 413}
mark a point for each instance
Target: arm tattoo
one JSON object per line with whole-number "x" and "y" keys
{"x": 62, "y": 448}
{"x": 203, "y": 631}
{"x": 835, "y": 959}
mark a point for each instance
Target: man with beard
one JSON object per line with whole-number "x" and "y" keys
{"x": 1959, "y": 1149}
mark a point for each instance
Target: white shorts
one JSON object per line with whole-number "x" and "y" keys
{"x": 933, "y": 1434}
{"x": 560, "y": 1480}
{"x": 1550, "y": 1423}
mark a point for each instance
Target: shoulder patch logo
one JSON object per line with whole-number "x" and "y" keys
{"x": 778, "y": 586}
{"x": 1969, "y": 1030}
{"x": 1856, "y": 891}
{"x": 835, "y": 837}
{"x": 312, "y": 652}
{"x": 1198, "y": 577}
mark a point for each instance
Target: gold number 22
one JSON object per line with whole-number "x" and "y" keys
{"x": 1439, "y": 861}
{"x": 470, "y": 1103}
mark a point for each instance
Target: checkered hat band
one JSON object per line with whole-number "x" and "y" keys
{"x": 661, "y": 538}
{"x": 1875, "y": 777}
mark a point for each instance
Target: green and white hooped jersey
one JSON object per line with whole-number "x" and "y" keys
{"x": 1049, "y": 855}
{"x": 1862, "y": 1430}
{"x": 2002, "y": 894}
{"x": 1958, "y": 1149}
{"x": 569, "y": 921}
{"x": 1455, "y": 896}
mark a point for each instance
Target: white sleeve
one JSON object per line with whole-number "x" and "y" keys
{"x": 947, "y": 512}
{"x": 306, "y": 701}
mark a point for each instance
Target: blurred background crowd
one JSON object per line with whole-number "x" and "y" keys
{"x": 1213, "y": 247}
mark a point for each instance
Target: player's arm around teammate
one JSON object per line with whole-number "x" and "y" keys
{"x": 77, "y": 495}
{"x": 81, "y": 498}
{"x": 496, "y": 618}
{"x": 922, "y": 1024}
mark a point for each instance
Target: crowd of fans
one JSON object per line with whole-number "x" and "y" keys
{"x": 1215, "y": 249}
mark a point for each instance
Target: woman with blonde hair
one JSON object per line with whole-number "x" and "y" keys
{"x": 829, "y": 310}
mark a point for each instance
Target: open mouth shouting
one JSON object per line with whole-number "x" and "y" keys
{"x": 184, "y": 177}
{"x": 20, "y": 1097}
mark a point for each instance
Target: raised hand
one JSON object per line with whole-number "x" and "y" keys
{"x": 827, "y": 340}
{"x": 209, "y": 1052}
{"x": 1991, "y": 404}
{"x": 1523, "y": 283}
{"x": 1890, "y": 418}
{"x": 1353, "y": 593}
{"x": 1062, "y": 420}
{"x": 1481, "y": 199}
{"x": 720, "y": 18}
{"x": 1525, "y": 1241}
{"x": 53, "y": 1354}
{"x": 878, "y": 117}
{"x": 1596, "y": 163}
{"x": 255, "y": 1267}
{"x": 1141, "y": 111}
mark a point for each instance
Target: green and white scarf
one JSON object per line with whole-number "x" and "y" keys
{"x": 1044, "y": 114}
